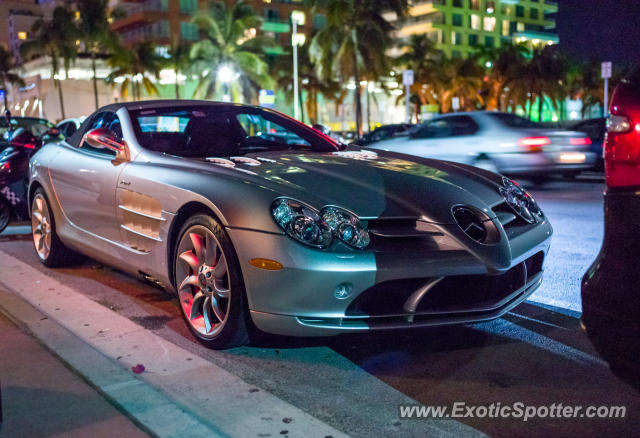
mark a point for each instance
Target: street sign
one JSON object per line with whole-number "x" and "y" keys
{"x": 455, "y": 103}
{"x": 606, "y": 70}
{"x": 407, "y": 78}
{"x": 267, "y": 98}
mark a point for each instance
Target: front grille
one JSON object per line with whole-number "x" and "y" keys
{"x": 408, "y": 234}
{"x": 454, "y": 294}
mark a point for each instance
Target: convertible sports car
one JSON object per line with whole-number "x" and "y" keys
{"x": 255, "y": 219}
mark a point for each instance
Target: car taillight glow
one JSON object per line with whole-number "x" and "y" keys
{"x": 580, "y": 141}
{"x": 534, "y": 143}
{"x": 622, "y": 151}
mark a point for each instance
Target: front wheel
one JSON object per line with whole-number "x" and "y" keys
{"x": 51, "y": 251}
{"x": 210, "y": 285}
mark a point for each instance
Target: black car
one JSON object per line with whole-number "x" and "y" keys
{"x": 595, "y": 130}
{"x": 611, "y": 286}
{"x": 37, "y": 127}
{"x": 382, "y": 133}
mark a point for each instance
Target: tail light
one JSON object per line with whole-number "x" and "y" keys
{"x": 584, "y": 141}
{"x": 622, "y": 150}
{"x": 534, "y": 144}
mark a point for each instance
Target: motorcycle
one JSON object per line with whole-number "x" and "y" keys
{"x": 14, "y": 168}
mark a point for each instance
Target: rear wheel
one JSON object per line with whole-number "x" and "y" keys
{"x": 5, "y": 214}
{"x": 210, "y": 285}
{"x": 51, "y": 251}
{"x": 486, "y": 163}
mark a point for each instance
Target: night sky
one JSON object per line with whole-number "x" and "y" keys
{"x": 601, "y": 29}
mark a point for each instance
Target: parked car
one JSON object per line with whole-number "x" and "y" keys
{"x": 303, "y": 238}
{"x": 326, "y": 131}
{"x": 68, "y": 127}
{"x": 14, "y": 165}
{"x": 595, "y": 129}
{"x": 499, "y": 142}
{"x": 37, "y": 127}
{"x": 383, "y": 132}
{"x": 611, "y": 286}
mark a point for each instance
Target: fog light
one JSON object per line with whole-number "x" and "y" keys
{"x": 343, "y": 291}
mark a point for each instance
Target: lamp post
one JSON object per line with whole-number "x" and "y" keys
{"x": 297, "y": 17}
{"x": 225, "y": 75}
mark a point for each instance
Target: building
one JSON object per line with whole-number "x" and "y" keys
{"x": 460, "y": 26}
{"x": 166, "y": 21}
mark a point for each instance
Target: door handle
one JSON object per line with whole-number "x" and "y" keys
{"x": 125, "y": 182}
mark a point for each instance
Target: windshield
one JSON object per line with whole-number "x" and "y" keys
{"x": 215, "y": 131}
{"x": 37, "y": 127}
{"x": 513, "y": 121}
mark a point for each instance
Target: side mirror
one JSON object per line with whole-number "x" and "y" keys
{"x": 24, "y": 139}
{"x": 104, "y": 138}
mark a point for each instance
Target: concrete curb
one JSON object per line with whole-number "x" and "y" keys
{"x": 179, "y": 394}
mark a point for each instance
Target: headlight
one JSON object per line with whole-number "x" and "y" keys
{"x": 345, "y": 226}
{"x": 520, "y": 200}
{"x": 306, "y": 225}
{"x": 301, "y": 222}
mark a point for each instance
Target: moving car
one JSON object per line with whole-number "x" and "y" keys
{"x": 611, "y": 286}
{"x": 499, "y": 142}
{"x": 383, "y": 132}
{"x": 37, "y": 127}
{"x": 300, "y": 237}
{"x": 595, "y": 129}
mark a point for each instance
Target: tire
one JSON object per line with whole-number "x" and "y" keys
{"x": 50, "y": 250}
{"x": 5, "y": 214}
{"x": 487, "y": 164}
{"x": 207, "y": 275}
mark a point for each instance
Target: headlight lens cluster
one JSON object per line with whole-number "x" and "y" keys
{"x": 521, "y": 201}
{"x": 305, "y": 224}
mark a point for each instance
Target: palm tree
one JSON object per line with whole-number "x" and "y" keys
{"x": 309, "y": 82}
{"x": 503, "y": 65}
{"x": 421, "y": 56}
{"x": 55, "y": 39}
{"x": 353, "y": 44}
{"x": 6, "y": 77}
{"x": 460, "y": 78}
{"x": 228, "y": 39}
{"x": 133, "y": 65}
{"x": 95, "y": 31}
{"x": 179, "y": 61}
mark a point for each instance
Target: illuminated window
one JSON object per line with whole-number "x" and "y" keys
{"x": 520, "y": 27}
{"x": 456, "y": 38}
{"x": 505, "y": 27}
{"x": 489, "y": 24}
{"x": 22, "y": 35}
{"x": 475, "y": 22}
{"x": 491, "y": 7}
{"x": 475, "y": 5}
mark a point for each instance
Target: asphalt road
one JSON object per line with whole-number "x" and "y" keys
{"x": 536, "y": 354}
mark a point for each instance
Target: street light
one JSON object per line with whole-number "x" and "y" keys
{"x": 297, "y": 17}
{"x": 225, "y": 75}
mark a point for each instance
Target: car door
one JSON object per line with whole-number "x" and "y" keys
{"x": 85, "y": 178}
{"x": 445, "y": 138}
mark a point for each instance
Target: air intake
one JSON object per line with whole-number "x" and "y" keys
{"x": 476, "y": 225}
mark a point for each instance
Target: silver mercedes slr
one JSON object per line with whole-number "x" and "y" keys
{"x": 258, "y": 221}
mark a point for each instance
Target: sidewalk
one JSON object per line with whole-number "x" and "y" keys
{"x": 41, "y": 397}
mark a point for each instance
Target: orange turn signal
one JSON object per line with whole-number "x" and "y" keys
{"x": 269, "y": 265}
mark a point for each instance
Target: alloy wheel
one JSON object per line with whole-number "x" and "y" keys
{"x": 41, "y": 226}
{"x": 204, "y": 283}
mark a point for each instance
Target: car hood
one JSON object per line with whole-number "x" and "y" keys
{"x": 372, "y": 184}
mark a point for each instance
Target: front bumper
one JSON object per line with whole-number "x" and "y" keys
{"x": 299, "y": 299}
